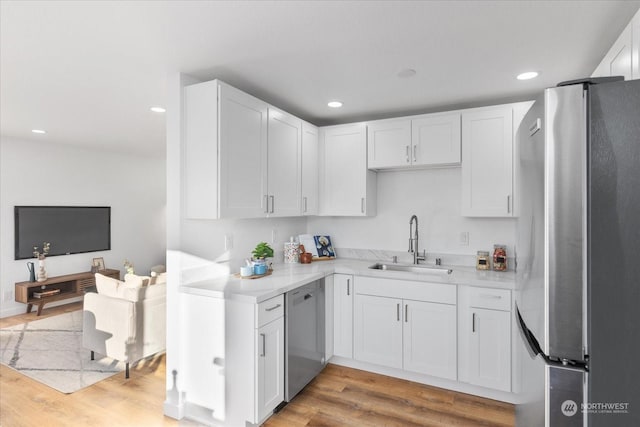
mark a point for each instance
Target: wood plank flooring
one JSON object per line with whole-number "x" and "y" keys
{"x": 339, "y": 396}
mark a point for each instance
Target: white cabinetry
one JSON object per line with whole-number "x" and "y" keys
{"x": 389, "y": 144}
{"x": 270, "y": 367}
{"x": 310, "y": 179}
{"x": 407, "y": 325}
{"x": 343, "y": 315}
{"x": 487, "y": 162}
{"x": 347, "y": 188}
{"x": 421, "y": 141}
{"x": 622, "y": 58}
{"x": 242, "y": 156}
{"x": 284, "y": 163}
{"x": 435, "y": 140}
{"x": 485, "y": 337}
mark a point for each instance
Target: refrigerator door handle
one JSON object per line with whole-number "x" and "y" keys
{"x": 531, "y": 340}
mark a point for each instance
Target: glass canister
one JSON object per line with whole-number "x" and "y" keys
{"x": 499, "y": 257}
{"x": 483, "y": 261}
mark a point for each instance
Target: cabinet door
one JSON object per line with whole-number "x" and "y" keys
{"x": 619, "y": 60}
{"x": 489, "y": 358}
{"x": 284, "y": 163}
{"x": 389, "y": 144}
{"x": 435, "y": 140}
{"x": 243, "y": 154}
{"x": 487, "y": 163}
{"x": 377, "y": 330}
{"x": 429, "y": 339}
{"x": 270, "y": 370}
{"x": 343, "y": 315}
{"x": 310, "y": 190}
{"x": 347, "y": 187}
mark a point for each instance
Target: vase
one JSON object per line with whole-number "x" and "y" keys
{"x": 42, "y": 272}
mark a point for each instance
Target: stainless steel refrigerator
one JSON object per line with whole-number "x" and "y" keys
{"x": 578, "y": 255}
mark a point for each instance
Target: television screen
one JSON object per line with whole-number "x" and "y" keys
{"x": 69, "y": 229}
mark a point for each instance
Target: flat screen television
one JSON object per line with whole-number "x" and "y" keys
{"x": 69, "y": 229}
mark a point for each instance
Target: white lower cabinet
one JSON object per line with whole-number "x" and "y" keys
{"x": 485, "y": 337}
{"x": 416, "y": 332}
{"x": 343, "y": 315}
{"x": 270, "y": 367}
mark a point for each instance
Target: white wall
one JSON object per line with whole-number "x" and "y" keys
{"x": 434, "y": 195}
{"x": 37, "y": 173}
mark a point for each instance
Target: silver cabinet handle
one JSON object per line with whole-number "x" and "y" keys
{"x": 273, "y": 198}
{"x": 266, "y": 204}
{"x": 398, "y": 311}
{"x": 272, "y": 308}
{"x": 304, "y": 200}
{"x": 264, "y": 345}
{"x": 406, "y": 313}
{"x": 348, "y": 291}
{"x": 414, "y": 153}
{"x": 362, "y": 205}
{"x": 490, "y": 296}
{"x": 407, "y": 152}
{"x": 473, "y": 322}
{"x": 508, "y": 203}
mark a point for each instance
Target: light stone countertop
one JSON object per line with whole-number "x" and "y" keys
{"x": 286, "y": 277}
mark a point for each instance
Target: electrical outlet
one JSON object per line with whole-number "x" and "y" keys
{"x": 464, "y": 238}
{"x": 228, "y": 242}
{"x": 274, "y": 235}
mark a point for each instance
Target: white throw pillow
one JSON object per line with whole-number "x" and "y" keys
{"x": 107, "y": 285}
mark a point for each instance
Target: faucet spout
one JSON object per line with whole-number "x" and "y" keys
{"x": 413, "y": 241}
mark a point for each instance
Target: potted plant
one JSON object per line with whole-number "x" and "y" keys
{"x": 261, "y": 252}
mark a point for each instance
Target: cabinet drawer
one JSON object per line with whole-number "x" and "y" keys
{"x": 270, "y": 310}
{"x": 493, "y": 299}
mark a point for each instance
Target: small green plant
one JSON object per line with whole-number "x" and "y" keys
{"x": 262, "y": 251}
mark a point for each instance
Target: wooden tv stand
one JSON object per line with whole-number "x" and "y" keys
{"x": 70, "y": 286}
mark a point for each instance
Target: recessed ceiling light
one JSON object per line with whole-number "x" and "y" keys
{"x": 40, "y": 131}
{"x": 334, "y": 104}
{"x": 528, "y": 75}
{"x": 407, "y": 72}
{"x": 157, "y": 109}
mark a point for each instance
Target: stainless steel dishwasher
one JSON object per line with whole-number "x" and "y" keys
{"x": 304, "y": 336}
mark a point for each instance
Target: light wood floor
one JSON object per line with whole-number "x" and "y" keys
{"x": 339, "y": 396}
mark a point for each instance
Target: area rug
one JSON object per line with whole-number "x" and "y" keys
{"x": 50, "y": 351}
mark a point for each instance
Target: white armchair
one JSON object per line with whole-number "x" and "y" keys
{"x": 125, "y": 321}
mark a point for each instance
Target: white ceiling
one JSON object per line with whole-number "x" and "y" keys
{"x": 87, "y": 72}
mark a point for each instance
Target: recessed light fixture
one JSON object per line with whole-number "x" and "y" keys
{"x": 528, "y": 75}
{"x": 406, "y": 73}
{"x": 334, "y": 104}
{"x": 158, "y": 109}
{"x": 39, "y": 131}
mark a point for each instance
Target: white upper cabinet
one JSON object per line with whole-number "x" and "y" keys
{"x": 284, "y": 164}
{"x": 622, "y": 59}
{"x": 347, "y": 188}
{"x": 243, "y": 154}
{"x": 389, "y": 144}
{"x": 435, "y": 140}
{"x": 242, "y": 157}
{"x": 487, "y": 162}
{"x": 422, "y": 141}
{"x": 310, "y": 178}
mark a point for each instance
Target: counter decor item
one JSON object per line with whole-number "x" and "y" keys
{"x": 305, "y": 257}
{"x": 324, "y": 247}
{"x": 499, "y": 257}
{"x": 260, "y": 253}
{"x": 483, "y": 260}
{"x": 291, "y": 251}
{"x": 246, "y": 270}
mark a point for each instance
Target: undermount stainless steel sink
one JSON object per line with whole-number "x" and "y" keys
{"x": 411, "y": 268}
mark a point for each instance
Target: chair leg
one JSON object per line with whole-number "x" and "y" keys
{"x": 92, "y": 355}
{"x": 126, "y": 370}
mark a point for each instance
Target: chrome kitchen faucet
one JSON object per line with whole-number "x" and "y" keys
{"x": 413, "y": 237}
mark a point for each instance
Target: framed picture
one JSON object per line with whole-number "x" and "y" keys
{"x": 98, "y": 263}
